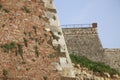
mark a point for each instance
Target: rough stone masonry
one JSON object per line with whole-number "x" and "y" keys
{"x": 84, "y": 41}
{"x": 32, "y": 45}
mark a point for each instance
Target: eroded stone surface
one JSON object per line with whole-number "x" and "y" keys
{"x": 26, "y": 49}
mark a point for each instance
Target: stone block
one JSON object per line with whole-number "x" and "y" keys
{"x": 57, "y": 66}
{"x": 63, "y": 61}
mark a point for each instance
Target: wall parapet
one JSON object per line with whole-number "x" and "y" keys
{"x": 73, "y": 31}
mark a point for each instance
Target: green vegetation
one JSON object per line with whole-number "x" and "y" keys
{"x": 25, "y": 42}
{"x": 94, "y": 66}
{"x": 35, "y": 29}
{"x": 5, "y": 72}
{"x": 37, "y": 51}
{"x": 24, "y": 8}
{"x": 9, "y": 47}
{"x": 6, "y": 10}
{"x": 20, "y": 50}
{"x": 1, "y": 6}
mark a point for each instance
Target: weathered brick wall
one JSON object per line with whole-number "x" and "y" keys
{"x": 31, "y": 41}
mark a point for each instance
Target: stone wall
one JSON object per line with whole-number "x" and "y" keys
{"x": 112, "y": 58}
{"x": 32, "y": 45}
{"x": 85, "y": 42}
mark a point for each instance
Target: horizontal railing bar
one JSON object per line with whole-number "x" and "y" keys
{"x": 76, "y": 25}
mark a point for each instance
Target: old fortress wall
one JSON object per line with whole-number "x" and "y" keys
{"x": 85, "y": 41}
{"x": 32, "y": 46}
{"x": 112, "y": 58}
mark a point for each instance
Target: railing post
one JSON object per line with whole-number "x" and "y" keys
{"x": 94, "y": 25}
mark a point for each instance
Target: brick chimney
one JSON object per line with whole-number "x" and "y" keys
{"x": 94, "y": 25}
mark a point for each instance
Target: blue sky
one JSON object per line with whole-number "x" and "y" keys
{"x": 105, "y": 12}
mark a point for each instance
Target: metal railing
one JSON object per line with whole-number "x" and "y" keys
{"x": 76, "y": 25}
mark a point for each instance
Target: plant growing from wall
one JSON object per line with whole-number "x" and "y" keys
{"x": 25, "y": 42}
{"x": 35, "y": 29}
{"x": 9, "y": 47}
{"x": 5, "y": 72}
{"x": 16, "y": 52}
{"x": 20, "y": 50}
{"x": 24, "y": 8}
{"x": 37, "y": 51}
{"x": 6, "y": 10}
{"x": 1, "y": 6}
{"x": 94, "y": 66}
